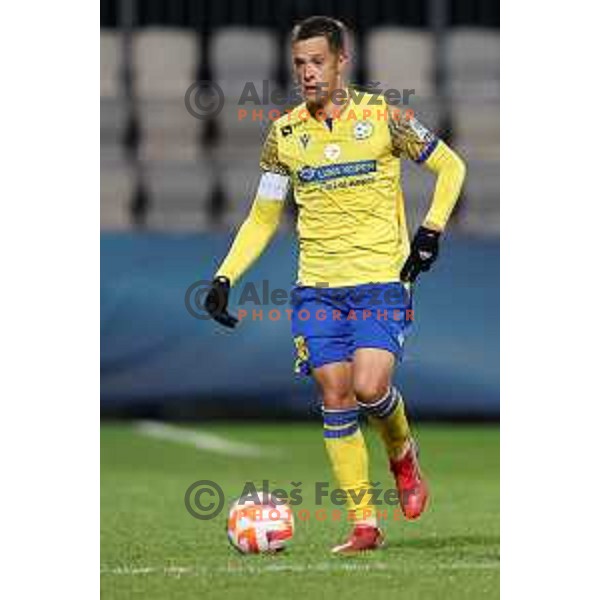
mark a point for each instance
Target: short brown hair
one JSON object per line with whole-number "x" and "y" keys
{"x": 332, "y": 29}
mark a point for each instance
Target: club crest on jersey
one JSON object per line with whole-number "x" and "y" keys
{"x": 304, "y": 139}
{"x": 363, "y": 130}
{"x": 332, "y": 151}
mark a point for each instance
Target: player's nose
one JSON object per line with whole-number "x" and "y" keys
{"x": 309, "y": 74}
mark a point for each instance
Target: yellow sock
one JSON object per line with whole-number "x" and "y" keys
{"x": 349, "y": 460}
{"x": 389, "y": 418}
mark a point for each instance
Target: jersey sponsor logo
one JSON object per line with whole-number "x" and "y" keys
{"x": 309, "y": 174}
{"x": 363, "y": 130}
{"x": 345, "y": 184}
{"x": 306, "y": 174}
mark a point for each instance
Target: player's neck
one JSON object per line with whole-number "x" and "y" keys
{"x": 331, "y": 108}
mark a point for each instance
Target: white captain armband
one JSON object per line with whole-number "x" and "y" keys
{"x": 273, "y": 186}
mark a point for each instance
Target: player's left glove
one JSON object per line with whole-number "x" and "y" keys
{"x": 423, "y": 252}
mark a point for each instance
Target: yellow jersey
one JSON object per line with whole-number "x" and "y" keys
{"x": 346, "y": 181}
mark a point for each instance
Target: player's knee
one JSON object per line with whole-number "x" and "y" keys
{"x": 338, "y": 398}
{"x": 370, "y": 389}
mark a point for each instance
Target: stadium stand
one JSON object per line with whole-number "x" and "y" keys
{"x": 164, "y": 67}
{"x": 401, "y": 58}
{"x": 116, "y": 177}
{"x": 196, "y": 174}
{"x": 474, "y": 79}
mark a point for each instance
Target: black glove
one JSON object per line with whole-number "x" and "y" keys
{"x": 216, "y": 303}
{"x": 423, "y": 252}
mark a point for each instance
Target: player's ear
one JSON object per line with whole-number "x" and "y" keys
{"x": 343, "y": 60}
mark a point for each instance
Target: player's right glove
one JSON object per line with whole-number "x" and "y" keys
{"x": 216, "y": 303}
{"x": 423, "y": 252}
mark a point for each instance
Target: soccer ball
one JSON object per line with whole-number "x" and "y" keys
{"x": 254, "y": 527}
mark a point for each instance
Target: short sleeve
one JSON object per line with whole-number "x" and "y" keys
{"x": 269, "y": 158}
{"x": 410, "y": 139}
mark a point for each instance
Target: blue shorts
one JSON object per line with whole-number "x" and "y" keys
{"x": 329, "y": 324}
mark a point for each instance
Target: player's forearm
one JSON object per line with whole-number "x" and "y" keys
{"x": 252, "y": 238}
{"x": 450, "y": 170}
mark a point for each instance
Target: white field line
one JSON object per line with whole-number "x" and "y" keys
{"x": 326, "y": 567}
{"x": 201, "y": 440}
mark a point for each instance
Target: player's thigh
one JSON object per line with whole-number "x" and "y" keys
{"x": 372, "y": 370}
{"x": 321, "y": 336}
{"x": 378, "y": 335}
{"x": 335, "y": 384}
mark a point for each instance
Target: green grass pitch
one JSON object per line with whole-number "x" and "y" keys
{"x": 152, "y": 548}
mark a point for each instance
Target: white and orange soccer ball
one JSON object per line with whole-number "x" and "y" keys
{"x": 254, "y": 527}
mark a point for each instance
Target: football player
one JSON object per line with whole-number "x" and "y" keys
{"x": 340, "y": 152}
